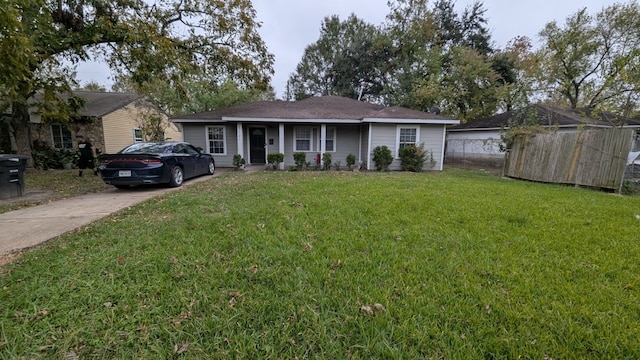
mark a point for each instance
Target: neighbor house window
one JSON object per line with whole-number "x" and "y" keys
{"x": 330, "y": 143}
{"x": 302, "y": 138}
{"x": 407, "y": 136}
{"x": 216, "y": 140}
{"x": 61, "y": 137}
{"x": 137, "y": 135}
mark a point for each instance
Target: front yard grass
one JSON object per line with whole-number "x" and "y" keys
{"x": 274, "y": 265}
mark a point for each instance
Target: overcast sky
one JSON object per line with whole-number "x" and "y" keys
{"x": 288, "y": 26}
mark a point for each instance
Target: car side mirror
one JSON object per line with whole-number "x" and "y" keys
{"x": 200, "y": 150}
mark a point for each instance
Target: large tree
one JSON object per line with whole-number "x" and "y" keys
{"x": 338, "y": 63}
{"x": 164, "y": 41}
{"x": 593, "y": 61}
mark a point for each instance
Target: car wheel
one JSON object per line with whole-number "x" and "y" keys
{"x": 177, "y": 177}
{"x": 212, "y": 167}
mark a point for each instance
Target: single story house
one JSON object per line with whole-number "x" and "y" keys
{"x": 479, "y": 142}
{"x": 111, "y": 121}
{"x": 328, "y": 124}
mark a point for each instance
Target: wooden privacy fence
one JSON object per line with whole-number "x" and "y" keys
{"x": 593, "y": 158}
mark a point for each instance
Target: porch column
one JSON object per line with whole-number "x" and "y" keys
{"x": 240, "y": 139}
{"x": 281, "y": 142}
{"x": 323, "y": 140}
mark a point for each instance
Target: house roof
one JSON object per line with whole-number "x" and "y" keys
{"x": 98, "y": 104}
{"x": 545, "y": 115}
{"x": 324, "y": 108}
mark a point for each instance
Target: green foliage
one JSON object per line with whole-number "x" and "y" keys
{"x": 174, "y": 40}
{"x": 238, "y": 161}
{"x": 300, "y": 159}
{"x": 351, "y": 161}
{"x": 412, "y": 158}
{"x": 592, "y": 60}
{"x": 337, "y": 165}
{"x": 153, "y": 124}
{"x": 275, "y": 159}
{"x": 382, "y": 158}
{"x": 326, "y": 161}
{"x": 45, "y": 157}
{"x": 270, "y": 262}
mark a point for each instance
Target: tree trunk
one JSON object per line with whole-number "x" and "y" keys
{"x": 20, "y": 131}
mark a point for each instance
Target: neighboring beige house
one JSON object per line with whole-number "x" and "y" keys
{"x": 111, "y": 121}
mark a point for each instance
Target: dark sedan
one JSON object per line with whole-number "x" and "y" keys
{"x": 155, "y": 163}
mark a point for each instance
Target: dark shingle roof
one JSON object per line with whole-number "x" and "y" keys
{"x": 324, "y": 107}
{"x": 545, "y": 115}
{"x": 99, "y": 104}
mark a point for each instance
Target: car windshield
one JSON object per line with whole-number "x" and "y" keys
{"x": 146, "y": 148}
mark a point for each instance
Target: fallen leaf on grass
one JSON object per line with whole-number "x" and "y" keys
{"x": 487, "y": 308}
{"x": 309, "y": 247}
{"x": 373, "y": 310}
{"x": 254, "y": 269}
{"x": 179, "y": 349}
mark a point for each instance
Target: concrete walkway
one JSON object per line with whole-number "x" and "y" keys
{"x": 34, "y": 225}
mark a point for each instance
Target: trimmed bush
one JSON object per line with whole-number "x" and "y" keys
{"x": 382, "y": 157}
{"x": 351, "y": 161}
{"x": 412, "y": 157}
{"x": 326, "y": 161}
{"x": 300, "y": 158}
{"x": 275, "y": 159}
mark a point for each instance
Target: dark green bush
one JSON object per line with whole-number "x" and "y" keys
{"x": 412, "y": 157}
{"x": 275, "y": 159}
{"x": 351, "y": 161}
{"x": 238, "y": 161}
{"x": 326, "y": 161}
{"x": 300, "y": 158}
{"x": 382, "y": 157}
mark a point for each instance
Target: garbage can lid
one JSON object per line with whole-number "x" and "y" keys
{"x": 7, "y": 159}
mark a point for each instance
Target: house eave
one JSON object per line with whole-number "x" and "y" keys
{"x": 410, "y": 121}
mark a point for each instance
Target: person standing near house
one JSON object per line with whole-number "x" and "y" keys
{"x": 87, "y": 155}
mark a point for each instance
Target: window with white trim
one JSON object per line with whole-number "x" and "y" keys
{"x": 407, "y": 136}
{"x": 138, "y": 135}
{"x": 302, "y": 139}
{"x": 216, "y": 136}
{"x": 61, "y": 137}
{"x": 330, "y": 143}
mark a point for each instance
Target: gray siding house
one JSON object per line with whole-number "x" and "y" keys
{"x": 335, "y": 125}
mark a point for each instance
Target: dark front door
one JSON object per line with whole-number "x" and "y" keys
{"x": 257, "y": 146}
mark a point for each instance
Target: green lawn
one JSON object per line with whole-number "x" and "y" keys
{"x": 285, "y": 265}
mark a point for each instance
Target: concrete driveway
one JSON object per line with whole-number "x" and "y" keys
{"x": 31, "y": 226}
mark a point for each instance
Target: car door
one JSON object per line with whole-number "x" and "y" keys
{"x": 201, "y": 162}
{"x": 188, "y": 161}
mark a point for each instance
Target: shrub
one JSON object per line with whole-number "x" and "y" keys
{"x": 238, "y": 161}
{"x": 275, "y": 159}
{"x": 351, "y": 161}
{"x": 336, "y": 165}
{"x": 326, "y": 161}
{"x": 382, "y": 158}
{"x": 412, "y": 157}
{"x": 300, "y": 158}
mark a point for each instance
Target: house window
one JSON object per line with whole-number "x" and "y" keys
{"x": 61, "y": 137}
{"x": 330, "y": 143}
{"x": 302, "y": 139}
{"x": 137, "y": 135}
{"x": 216, "y": 140}
{"x": 407, "y": 136}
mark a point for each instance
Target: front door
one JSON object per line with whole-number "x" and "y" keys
{"x": 257, "y": 145}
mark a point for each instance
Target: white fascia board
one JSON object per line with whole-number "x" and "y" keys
{"x": 207, "y": 121}
{"x": 294, "y": 121}
{"x": 411, "y": 121}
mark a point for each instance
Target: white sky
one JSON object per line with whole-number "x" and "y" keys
{"x": 288, "y": 26}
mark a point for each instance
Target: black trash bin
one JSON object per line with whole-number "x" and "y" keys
{"x": 12, "y": 175}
